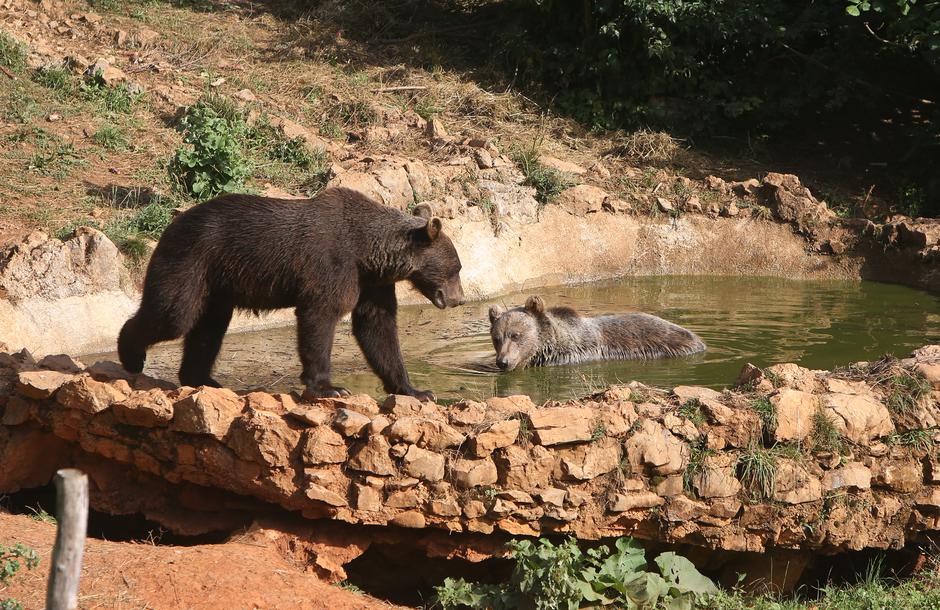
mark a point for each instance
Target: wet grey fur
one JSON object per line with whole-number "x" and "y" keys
{"x": 533, "y": 336}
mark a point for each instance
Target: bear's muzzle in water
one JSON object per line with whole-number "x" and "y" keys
{"x": 337, "y": 253}
{"x": 533, "y": 335}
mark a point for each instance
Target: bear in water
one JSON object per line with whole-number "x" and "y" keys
{"x": 533, "y": 336}
{"x": 327, "y": 256}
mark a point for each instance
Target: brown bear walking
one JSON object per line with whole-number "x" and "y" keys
{"x": 533, "y": 336}
{"x": 327, "y": 256}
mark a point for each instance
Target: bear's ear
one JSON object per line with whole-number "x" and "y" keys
{"x": 495, "y": 312}
{"x": 423, "y": 210}
{"x": 434, "y": 228}
{"x": 535, "y": 305}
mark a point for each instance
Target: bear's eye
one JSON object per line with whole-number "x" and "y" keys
{"x": 513, "y": 336}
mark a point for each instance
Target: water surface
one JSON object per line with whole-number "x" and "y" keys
{"x": 818, "y": 324}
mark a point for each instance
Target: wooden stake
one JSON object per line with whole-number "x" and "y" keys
{"x": 71, "y": 504}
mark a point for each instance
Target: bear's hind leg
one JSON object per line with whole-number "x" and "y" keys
{"x": 316, "y": 327}
{"x": 202, "y": 344}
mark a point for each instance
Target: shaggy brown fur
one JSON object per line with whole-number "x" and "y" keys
{"x": 533, "y": 336}
{"x": 327, "y": 256}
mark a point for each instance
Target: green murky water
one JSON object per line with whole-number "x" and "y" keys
{"x": 817, "y": 324}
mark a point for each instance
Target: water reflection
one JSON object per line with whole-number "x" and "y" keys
{"x": 818, "y": 324}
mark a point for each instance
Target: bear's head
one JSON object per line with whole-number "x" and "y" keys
{"x": 436, "y": 266}
{"x": 515, "y": 333}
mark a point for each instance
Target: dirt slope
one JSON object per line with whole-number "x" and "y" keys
{"x": 135, "y": 575}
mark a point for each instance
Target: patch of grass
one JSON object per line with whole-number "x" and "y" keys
{"x": 920, "y": 439}
{"x": 111, "y": 137}
{"x": 757, "y": 470}
{"x": 696, "y": 465}
{"x": 692, "y": 410}
{"x": 19, "y": 106}
{"x": 119, "y": 99}
{"x": 767, "y": 412}
{"x": 332, "y": 130}
{"x": 905, "y": 391}
{"x": 825, "y": 436}
{"x": 40, "y": 514}
{"x": 55, "y": 160}
{"x": 345, "y": 584}
{"x": 773, "y": 378}
{"x": 598, "y": 431}
{"x": 548, "y": 182}
{"x": 12, "y": 53}
{"x": 354, "y": 114}
{"x": 58, "y": 79}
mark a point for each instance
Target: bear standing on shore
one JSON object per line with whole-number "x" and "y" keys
{"x": 327, "y": 256}
{"x": 533, "y": 336}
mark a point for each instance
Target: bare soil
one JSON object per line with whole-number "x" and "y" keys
{"x": 125, "y": 575}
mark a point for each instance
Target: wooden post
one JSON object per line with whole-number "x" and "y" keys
{"x": 71, "y": 504}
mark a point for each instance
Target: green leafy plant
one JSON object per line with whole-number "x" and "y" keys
{"x": 563, "y": 577}
{"x": 211, "y": 162}
{"x": 10, "y": 564}
{"x": 548, "y": 182}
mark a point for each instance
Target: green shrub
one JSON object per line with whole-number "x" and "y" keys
{"x": 10, "y": 558}
{"x": 211, "y": 162}
{"x": 563, "y": 577}
{"x": 548, "y": 182}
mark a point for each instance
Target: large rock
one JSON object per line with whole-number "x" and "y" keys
{"x": 149, "y": 409}
{"x": 717, "y": 478}
{"x": 558, "y": 425}
{"x": 582, "y": 199}
{"x": 86, "y": 394}
{"x": 860, "y": 418}
{"x": 373, "y": 457}
{"x": 322, "y": 445}
{"x": 524, "y": 468}
{"x": 793, "y": 202}
{"x": 634, "y": 500}
{"x": 853, "y": 475}
{"x": 263, "y": 437}
{"x": 424, "y": 432}
{"x": 423, "y": 464}
{"x": 795, "y": 413}
{"x": 40, "y": 384}
{"x": 513, "y": 201}
{"x": 207, "y": 411}
{"x": 473, "y": 473}
{"x": 792, "y": 376}
{"x": 44, "y": 267}
{"x": 794, "y": 485}
{"x": 586, "y": 462}
{"x": 654, "y": 449}
{"x": 496, "y": 435}
{"x": 900, "y": 476}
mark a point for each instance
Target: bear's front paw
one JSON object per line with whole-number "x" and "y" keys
{"x": 424, "y": 395}
{"x": 324, "y": 392}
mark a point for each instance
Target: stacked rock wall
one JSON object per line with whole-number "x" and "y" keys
{"x": 789, "y": 459}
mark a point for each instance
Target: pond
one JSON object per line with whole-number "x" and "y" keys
{"x": 817, "y": 324}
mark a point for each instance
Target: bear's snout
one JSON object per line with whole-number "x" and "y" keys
{"x": 502, "y": 363}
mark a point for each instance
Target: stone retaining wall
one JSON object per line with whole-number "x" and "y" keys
{"x": 788, "y": 459}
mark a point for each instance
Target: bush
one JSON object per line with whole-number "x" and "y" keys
{"x": 559, "y": 577}
{"x": 10, "y": 558}
{"x": 212, "y": 161}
